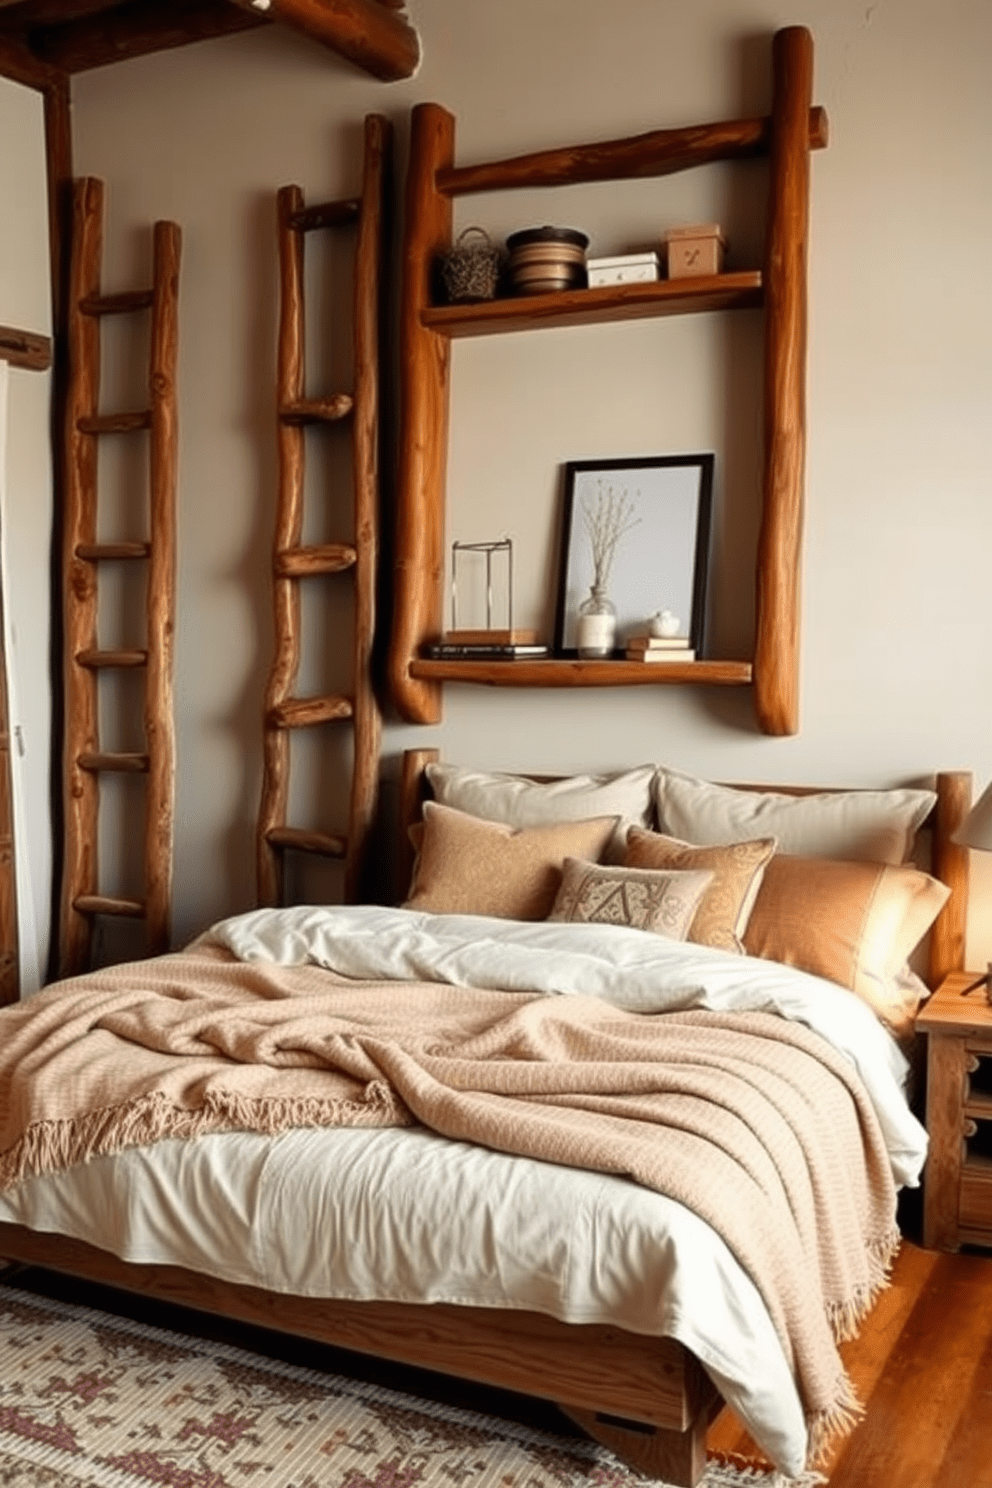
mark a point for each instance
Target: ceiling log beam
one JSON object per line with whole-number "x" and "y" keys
{"x": 372, "y": 34}
{"x": 135, "y": 29}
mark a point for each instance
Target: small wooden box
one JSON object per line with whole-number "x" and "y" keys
{"x": 695, "y": 250}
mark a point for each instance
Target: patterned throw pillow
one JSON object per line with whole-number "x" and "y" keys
{"x": 642, "y": 898}
{"x": 737, "y": 870}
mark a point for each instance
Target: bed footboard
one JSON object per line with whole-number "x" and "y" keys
{"x": 648, "y": 1399}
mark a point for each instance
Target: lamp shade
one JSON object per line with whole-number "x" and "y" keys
{"x": 976, "y": 829}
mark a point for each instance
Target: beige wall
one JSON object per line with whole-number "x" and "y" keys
{"x": 897, "y": 635}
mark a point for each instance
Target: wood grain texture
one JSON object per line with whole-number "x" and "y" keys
{"x": 418, "y": 564}
{"x": 659, "y": 152}
{"x": 369, "y": 345}
{"x": 291, "y": 447}
{"x": 776, "y": 651}
{"x": 81, "y": 791}
{"x": 161, "y": 589}
{"x": 572, "y": 307}
{"x": 80, "y": 39}
{"x": 293, "y": 562}
{"x": 82, "y": 554}
{"x": 26, "y": 349}
{"x": 957, "y": 1206}
{"x": 555, "y": 672}
{"x": 375, "y": 38}
{"x": 922, "y": 1368}
{"x": 951, "y": 863}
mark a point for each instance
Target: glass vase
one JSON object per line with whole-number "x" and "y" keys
{"x": 597, "y": 625}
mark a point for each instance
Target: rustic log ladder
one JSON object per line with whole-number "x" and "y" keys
{"x": 84, "y": 554}
{"x": 293, "y": 560}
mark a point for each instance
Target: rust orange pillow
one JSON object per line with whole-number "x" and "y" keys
{"x": 853, "y": 923}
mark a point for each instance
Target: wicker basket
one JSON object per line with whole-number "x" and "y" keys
{"x": 471, "y": 270}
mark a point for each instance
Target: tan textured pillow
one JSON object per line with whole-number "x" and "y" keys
{"x": 737, "y": 869}
{"x": 469, "y": 866}
{"x": 643, "y": 898}
{"x": 854, "y": 923}
{"x": 863, "y": 825}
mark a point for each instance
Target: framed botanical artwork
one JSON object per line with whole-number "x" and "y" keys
{"x": 635, "y": 533}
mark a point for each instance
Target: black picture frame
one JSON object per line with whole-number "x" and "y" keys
{"x": 661, "y": 561}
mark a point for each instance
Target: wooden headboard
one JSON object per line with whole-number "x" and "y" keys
{"x": 948, "y": 861}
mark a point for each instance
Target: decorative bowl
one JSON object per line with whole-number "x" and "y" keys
{"x": 546, "y": 259}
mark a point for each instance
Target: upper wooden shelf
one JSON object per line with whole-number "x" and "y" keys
{"x": 597, "y": 306}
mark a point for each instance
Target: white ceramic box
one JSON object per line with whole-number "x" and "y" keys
{"x": 624, "y": 268}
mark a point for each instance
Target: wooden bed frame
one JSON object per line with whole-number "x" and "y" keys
{"x": 646, "y": 1398}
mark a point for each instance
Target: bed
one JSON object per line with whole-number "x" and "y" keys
{"x": 609, "y": 1297}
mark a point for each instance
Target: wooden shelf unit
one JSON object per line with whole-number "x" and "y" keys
{"x": 786, "y": 137}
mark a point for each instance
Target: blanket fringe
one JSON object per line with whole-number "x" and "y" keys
{"x": 50, "y": 1146}
{"x": 845, "y": 1318}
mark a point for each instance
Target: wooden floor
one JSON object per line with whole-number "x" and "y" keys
{"x": 923, "y": 1369}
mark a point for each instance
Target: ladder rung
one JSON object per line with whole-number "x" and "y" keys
{"x": 297, "y": 563}
{"x": 117, "y": 304}
{"x": 115, "y": 423}
{"x": 328, "y": 843}
{"x": 93, "y": 904}
{"x": 93, "y": 552}
{"x": 97, "y": 659}
{"x": 302, "y": 712}
{"x": 325, "y": 214}
{"x": 317, "y": 410}
{"x": 133, "y": 764}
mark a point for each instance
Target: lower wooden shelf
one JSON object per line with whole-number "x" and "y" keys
{"x": 565, "y": 672}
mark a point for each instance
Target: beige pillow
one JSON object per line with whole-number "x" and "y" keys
{"x": 855, "y": 825}
{"x": 468, "y": 866}
{"x": 522, "y": 802}
{"x": 643, "y": 898}
{"x": 737, "y": 869}
{"x": 854, "y": 923}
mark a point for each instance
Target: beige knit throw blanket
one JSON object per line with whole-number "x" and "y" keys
{"x": 753, "y": 1122}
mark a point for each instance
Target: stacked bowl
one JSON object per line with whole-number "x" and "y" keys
{"x": 545, "y": 259}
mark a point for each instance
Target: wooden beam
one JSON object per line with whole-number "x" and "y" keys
{"x": 20, "y": 64}
{"x": 372, "y": 35}
{"x": 136, "y": 28}
{"x": 660, "y": 152}
{"x": 776, "y": 652}
{"x": 25, "y": 349}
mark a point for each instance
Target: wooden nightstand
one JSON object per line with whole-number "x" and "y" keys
{"x": 957, "y": 1195}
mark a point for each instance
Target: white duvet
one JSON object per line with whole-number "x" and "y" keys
{"x": 347, "y": 1213}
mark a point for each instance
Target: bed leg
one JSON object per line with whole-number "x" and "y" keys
{"x": 677, "y": 1457}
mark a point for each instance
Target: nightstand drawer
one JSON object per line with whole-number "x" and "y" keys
{"x": 975, "y": 1202}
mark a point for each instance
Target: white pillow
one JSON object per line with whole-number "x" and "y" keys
{"x": 520, "y": 802}
{"x": 858, "y": 825}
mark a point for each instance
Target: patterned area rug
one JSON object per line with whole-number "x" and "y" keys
{"x": 93, "y": 1400}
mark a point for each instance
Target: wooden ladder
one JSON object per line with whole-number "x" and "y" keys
{"x": 293, "y": 560}
{"x": 84, "y": 554}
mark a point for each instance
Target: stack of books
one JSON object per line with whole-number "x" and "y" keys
{"x": 486, "y": 645}
{"x": 659, "y": 648}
